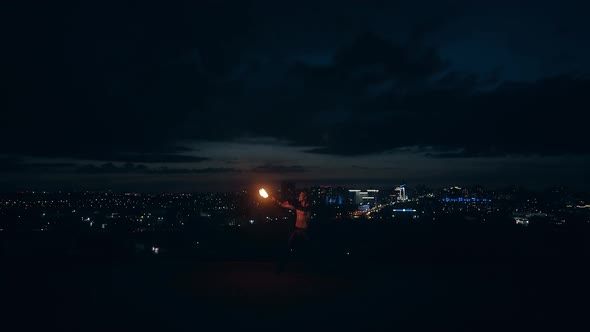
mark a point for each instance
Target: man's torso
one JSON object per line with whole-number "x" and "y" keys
{"x": 302, "y": 219}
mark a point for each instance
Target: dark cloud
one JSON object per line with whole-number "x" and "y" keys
{"x": 544, "y": 117}
{"x": 110, "y": 168}
{"x": 174, "y": 156}
{"x": 424, "y": 103}
{"x": 374, "y": 168}
{"x": 130, "y": 168}
{"x": 10, "y": 165}
{"x": 153, "y": 158}
{"x": 16, "y": 165}
{"x": 280, "y": 169}
{"x": 206, "y": 170}
{"x": 372, "y": 58}
{"x": 112, "y": 78}
{"x": 125, "y": 82}
{"x": 86, "y": 80}
{"x": 466, "y": 154}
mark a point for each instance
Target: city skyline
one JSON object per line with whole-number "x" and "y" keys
{"x": 222, "y": 95}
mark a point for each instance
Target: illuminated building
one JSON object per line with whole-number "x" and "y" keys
{"x": 401, "y": 190}
{"x": 368, "y": 197}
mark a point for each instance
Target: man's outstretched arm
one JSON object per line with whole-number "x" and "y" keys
{"x": 284, "y": 204}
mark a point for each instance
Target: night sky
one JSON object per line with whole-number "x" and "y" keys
{"x": 219, "y": 95}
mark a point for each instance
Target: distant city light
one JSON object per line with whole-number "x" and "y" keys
{"x": 263, "y": 193}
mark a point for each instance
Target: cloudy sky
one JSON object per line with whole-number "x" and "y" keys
{"x": 219, "y": 95}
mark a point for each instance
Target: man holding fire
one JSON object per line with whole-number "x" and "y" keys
{"x": 300, "y": 234}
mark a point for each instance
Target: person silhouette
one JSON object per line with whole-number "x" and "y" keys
{"x": 300, "y": 234}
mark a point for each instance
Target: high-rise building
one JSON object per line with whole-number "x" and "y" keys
{"x": 329, "y": 195}
{"x": 367, "y": 197}
{"x": 401, "y": 190}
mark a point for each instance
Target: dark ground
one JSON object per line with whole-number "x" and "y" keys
{"x": 50, "y": 292}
